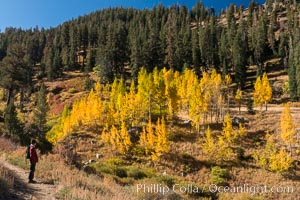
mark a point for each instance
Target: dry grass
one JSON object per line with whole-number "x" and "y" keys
{"x": 7, "y": 145}
{"x": 6, "y": 180}
{"x": 75, "y": 184}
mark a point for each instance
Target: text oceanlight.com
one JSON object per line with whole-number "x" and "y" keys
{"x": 213, "y": 188}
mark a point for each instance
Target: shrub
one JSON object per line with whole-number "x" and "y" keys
{"x": 120, "y": 172}
{"x": 168, "y": 180}
{"x": 115, "y": 161}
{"x": 218, "y": 175}
{"x": 136, "y": 173}
{"x": 64, "y": 193}
{"x": 72, "y": 90}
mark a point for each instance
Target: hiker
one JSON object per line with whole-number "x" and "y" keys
{"x": 33, "y": 160}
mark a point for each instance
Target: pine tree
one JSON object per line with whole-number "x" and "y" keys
{"x": 239, "y": 58}
{"x": 14, "y": 70}
{"x": 196, "y": 51}
{"x": 11, "y": 121}
{"x": 271, "y": 32}
{"x": 41, "y": 109}
{"x": 224, "y": 55}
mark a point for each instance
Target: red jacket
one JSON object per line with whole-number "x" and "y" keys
{"x": 33, "y": 154}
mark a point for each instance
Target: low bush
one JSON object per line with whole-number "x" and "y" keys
{"x": 218, "y": 175}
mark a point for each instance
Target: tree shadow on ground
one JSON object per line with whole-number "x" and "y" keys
{"x": 183, "y": 162}
{"x": 20, "y": 190}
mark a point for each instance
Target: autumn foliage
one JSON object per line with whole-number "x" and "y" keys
{"x": 262, "y": 91}
{"x": 117, "y": 107}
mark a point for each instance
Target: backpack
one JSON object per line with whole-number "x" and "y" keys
{"x": 28, "y": 152}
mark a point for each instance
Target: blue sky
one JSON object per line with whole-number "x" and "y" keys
{"x": 50, "y": 13}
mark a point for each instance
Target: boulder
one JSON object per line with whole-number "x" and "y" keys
{"x": 98, "y": 155}
{"x": 238, "y": 120}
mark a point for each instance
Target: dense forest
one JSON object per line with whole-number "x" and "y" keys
{"x": 112, "y": 39}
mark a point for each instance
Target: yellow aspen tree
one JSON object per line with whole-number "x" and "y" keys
{"x": 98, "y": 89}
{"x": 120, "y": 109}
{"x": 113, "y": 97}
{"x": 224, "y": 152}
{"x": 66, "y": 127}
{"x": 187, "y": 84}
{"x": 204, "y": 97}
{"x": 221, "y": 107}
{"x": 266, "y": 89}
{"x": 91, "y": 109}
{"x": 287, "y": 126}
{"x": 197, "y": 107}
{"x": 105, "y": 136}
{"x": 242, "y": 131}
{"x": 65, "y": 114}
{"x": 75, "y": 114}
{"x": 182, "y": 86}
{"x": 131, "y": 104}
{"x": 276, "y": 160}
{"x": 83, "y": 110}
{"x": 262, "y": 91}
{"x": 171, "y": 92}
{"x": 206, "y": 86}
{"x": 144, "y": 94}
{"x": 159, "y": 87}
{"x": 148, "y": 138}
{"x": 215, "y": 92}
{"x": 264, "y": 156}
{"x": 209, "y": 146}
{"x": 228, "y": 133}
{"x": 162, "y": 143}
{"x": 258, "y": 92}
{"x": 181, "y": 90}
{"x": 143, "y": 141}
{"x": 121, "y": 87}
{"x": 238, "y": 98}
{"x": 280, "y": 161}
{"x": 151, "y": 137}
{"x": 125, "y": 142}
{"x": 105, "y": 93}
{"x": 227, "y": 82}
{"x": 114, "y": 138}
{"x": 57, "y": 132}
{"x": 98, "y": 108}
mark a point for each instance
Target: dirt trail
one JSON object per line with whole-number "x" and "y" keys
{"x": 23, "y": 190}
